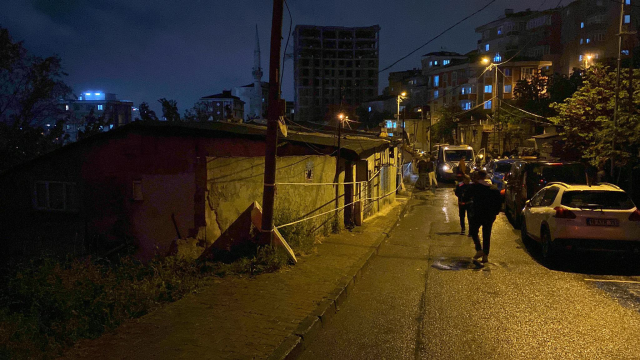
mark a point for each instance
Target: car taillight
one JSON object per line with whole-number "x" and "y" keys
{"x": 562, "y": 213}
{"x": 635, "y": 216}
{"x": 502, "y": 192}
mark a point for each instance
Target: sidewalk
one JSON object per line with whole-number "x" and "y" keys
{"x": 266, "y": 316}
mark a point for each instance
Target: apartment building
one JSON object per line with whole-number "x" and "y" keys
{"x": 115, "y": 112}
{"x": 334, "y": 68}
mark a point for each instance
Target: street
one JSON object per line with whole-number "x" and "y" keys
{"x": 422, "y": 297}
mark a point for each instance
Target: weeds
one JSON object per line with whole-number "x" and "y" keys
{"x": 47, "y": 304}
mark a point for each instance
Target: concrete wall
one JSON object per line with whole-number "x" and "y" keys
{"x": 234, "y": 183}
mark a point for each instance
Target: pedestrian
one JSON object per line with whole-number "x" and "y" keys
{"x": 461, "y": 193}
{"x": 486, "y": 206}
{"x": 462, "y": 168}
{"x": 423, "y": 173}
{"x": 431, "y": 168}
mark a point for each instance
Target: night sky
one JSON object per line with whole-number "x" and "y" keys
{"x": 182, "y": 50}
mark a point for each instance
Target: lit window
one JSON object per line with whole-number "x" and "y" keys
{"x": 435, "y": 62}
{"x": 588, "y": 40}
{"x": 97, "y": 94}
{"x": 581, "y": 41}
{"x": 497, "y": 58}
{"x": 507, "y": 89}
{"x": 436, "y": 81}
{"x": 446, "y": 62}
{"x": 436, "y": 94}
{"x": 500, "y": 30}
{"x": 430, "y": 63}
{"x": 625, "y": 52}
{"x": 390, "y": 134}
{"x": 99, "y": 107}
{"x": 581, "y": 25}
{"x": 486, "y": 47}
{"x": 88, "y": 94}
{"x": 110, "y": 126}
{"x": 507, "y": 72}
{"x": 487, "y": 105}
{"x": 580, "y": 58}
{"x": 627, "y": 2}
{"x": 488, "y": 89}
{"x": 369, "y": 108}
{"x": 66, "y": 107}
{"x": 627, "y": 19}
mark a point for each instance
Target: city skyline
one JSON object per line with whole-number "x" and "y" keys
{"x": 182, "y": 52}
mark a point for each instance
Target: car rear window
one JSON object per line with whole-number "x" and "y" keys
{"x": 503, "y": 168}
{"x": 597, "y": 200}
{"x": 566, "y": 173}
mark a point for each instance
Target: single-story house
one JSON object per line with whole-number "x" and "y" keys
{"x": 145, "y": 183}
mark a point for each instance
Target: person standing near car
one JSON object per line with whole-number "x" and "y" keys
{"x": 431, "y": 168}
{"x": 486, "y": 206}
{"x": 461, "y": 194}
{"x": 423, "y": 172}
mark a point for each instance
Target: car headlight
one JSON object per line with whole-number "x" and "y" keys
{"x": 446, "y": 168}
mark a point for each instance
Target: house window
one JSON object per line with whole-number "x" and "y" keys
{"x": 486, "y": 47}
{"x": 497, "y": 58}
{"x": 435, "y": 63}
{"x": 430, "y": 63}
{"x": 369, "y": 108}
{"x": 580, "y": 58}
{"x": 446, "y": 62}
{"x": 625, "y": 52}
{"x": 581, "y": 41}
{"x": 500, "y": 30}
{"x": 627, "y": 19}
{"x": 582, "y": 25}
{"x": 487, "y": 105}
{"x": 507, "y": 72}
{"x": 55, "y": 196}
{"x": 66, "y": 107}
{"x": 488, "y": 89}
{"x": 99, "y": 107}
{"x": 627, "y": 2}
{"x": 136, "y": 193}
{"x": 436, "y": 93}
{"x": 588, "y": 40}
{"x": 436, "y": 81}
{"x": 507, "y": 89}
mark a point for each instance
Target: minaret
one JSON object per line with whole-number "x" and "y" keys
{"x": 256, "y": 105}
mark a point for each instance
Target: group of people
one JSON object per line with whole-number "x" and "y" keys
{"x": 426, "y": 170}
{"x": 479, "y": 201}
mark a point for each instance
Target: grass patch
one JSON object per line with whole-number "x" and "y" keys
{"x": 46, "y": 305}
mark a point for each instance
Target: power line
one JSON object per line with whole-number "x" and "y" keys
{"x": 437, "y": 36}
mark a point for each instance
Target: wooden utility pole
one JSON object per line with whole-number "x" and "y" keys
{"x": 615, "y": 109}
{"x": 273, "y": 114}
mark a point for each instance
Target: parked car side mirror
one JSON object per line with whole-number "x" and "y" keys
{"x": 527, "y": 203}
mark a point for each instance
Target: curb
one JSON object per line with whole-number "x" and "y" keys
{"x": 292, "y": 346}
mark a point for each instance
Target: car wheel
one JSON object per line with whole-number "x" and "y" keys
{"x": 548, "y": 250}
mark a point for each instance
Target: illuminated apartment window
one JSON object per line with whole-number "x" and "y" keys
{"x": 582, "y": 25}
{"x": 487, "y": 105}
{"x": 488, "y": 89}
{"x": 446, "y": 62}
{"x": 436, "y": 81}
{"x": 497, "y": 58}
{"x": 627, "y": 19}
{"x": 436, "y": 94}
{"x": 507, "y": 89}
{"x": 507, "y": 72}
{"x": 581, "y": 41}
{"x": 580, "y": 58}
{"x": 66, "y": 107}
{"x": 625, "y": 52}
{"x": 99, "y": 107}
{"x": 486, "y": 47}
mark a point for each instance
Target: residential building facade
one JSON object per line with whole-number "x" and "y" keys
{"x": 334, "y": 67}
{"x": 99, "y": 104}
{"x": 224, "y": 107}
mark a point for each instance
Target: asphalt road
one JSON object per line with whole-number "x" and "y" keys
{"x": 422, "y": 297}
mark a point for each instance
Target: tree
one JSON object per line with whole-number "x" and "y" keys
{"x": 372, "y": 119}
{"x": 448, "y": 118}
{"x": 538, "y": 92}
{"x": 169, "y": 110}
{"x": 92, "y": 125}
{"x": 199, "y": 112}
{"x": 31, "y": 88}
{"x": 587, "y": 118}
{"x": 147, "y": 114}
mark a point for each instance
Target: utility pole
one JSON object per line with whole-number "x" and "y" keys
{"x": 615, "y": 109}
{"x": 273, "y": 115}
{"x": 337, "y": 219}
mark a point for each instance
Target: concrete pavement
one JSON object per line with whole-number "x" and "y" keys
{"x": 240, "y": 317}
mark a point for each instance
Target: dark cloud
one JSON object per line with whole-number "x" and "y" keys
{"x": 182, "y": 50}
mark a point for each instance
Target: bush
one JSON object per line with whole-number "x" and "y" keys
{"x": 46, "y": 305}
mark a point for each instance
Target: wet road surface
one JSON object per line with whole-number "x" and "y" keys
{"x": 422, "y": 297}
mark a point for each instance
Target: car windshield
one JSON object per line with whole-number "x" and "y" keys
{"x": 597, "y": 200}
{"x": 566, "y": 173}
{"x": 503, "y": 167}
{"x": 457, "y": 155}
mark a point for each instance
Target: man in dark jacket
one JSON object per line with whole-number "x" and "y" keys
{"x": 486, "y": 206}
{"x": 463, "y": 200}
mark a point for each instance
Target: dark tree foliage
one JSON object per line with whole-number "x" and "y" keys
{"x": 31, "y": 90}
{"x": 169, "y": 110}
{"x": 147, "y": 114}
{"x": 92, "y": 125}
{"x": 537, "y": 93}
{"x": 199, "y": 112}
{"x": 373, "y": 119}
{"x": 448, "y": 119}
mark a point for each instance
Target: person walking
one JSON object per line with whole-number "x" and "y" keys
{"x": 431, "y": 168}
{"x": 423, "y": 172}
{"x": 462, "y": 168}
{"x": 463, "y": 201}
{"x": 486, "y": 206}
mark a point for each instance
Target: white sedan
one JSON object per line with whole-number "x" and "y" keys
{"x": 571, "y": 217}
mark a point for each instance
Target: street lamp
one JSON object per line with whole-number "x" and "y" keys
{"x": 494, "y": 90}
{"x": 401, "y": 96}
{"x": 586, "y": 60}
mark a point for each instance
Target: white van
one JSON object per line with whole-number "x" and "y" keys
{"x": 448, "y": 158}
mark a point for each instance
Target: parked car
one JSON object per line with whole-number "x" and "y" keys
{"x": 448, "y": 158}
{"x": 497, "y": 169}
{"x": 581, "y": 217}
{"x": 527, "y": 177}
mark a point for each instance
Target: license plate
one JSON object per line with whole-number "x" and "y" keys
{"x": 603, "y": 222}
